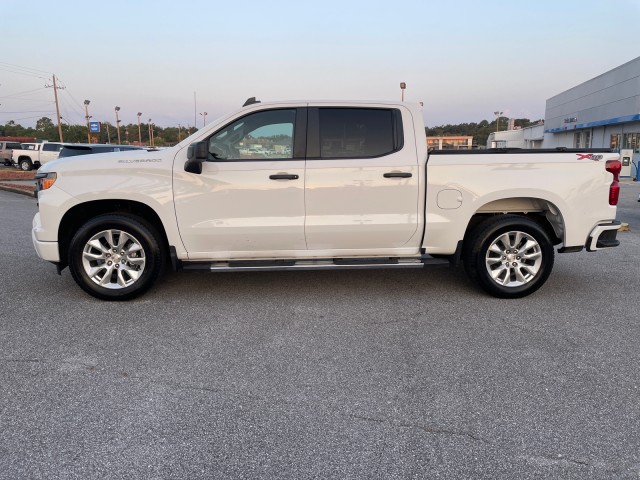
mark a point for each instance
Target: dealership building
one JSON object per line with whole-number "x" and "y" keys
{"x": 603, "y": 112}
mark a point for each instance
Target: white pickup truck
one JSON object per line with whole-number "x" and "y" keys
{"x": 34, "y": 155}
{"x": 322, "y": 185}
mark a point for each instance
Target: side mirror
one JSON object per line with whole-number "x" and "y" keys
{"x": 196, "y": 154}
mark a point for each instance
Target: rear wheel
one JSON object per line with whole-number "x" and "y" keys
{"x": 509, "y": 256}
{"x": 116, "y": 257}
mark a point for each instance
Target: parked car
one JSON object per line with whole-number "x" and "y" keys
{"x": 92, "y": 148}
{"x": 6, "y": 148}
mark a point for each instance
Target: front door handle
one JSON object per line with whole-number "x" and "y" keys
{"x": 397, "y": 175}
{"x": 283, "y": 176}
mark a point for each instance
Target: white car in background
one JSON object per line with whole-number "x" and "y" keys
{"x": 34, "y": 155}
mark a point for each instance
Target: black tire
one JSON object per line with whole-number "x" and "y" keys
{"x": 139, "y": 235}
{"x": 505, "y": 271}
{"x": 25, "y": 164}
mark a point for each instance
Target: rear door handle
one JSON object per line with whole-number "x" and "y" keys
{"x": 397, "y": 175}
{"x": 283, "y": 176}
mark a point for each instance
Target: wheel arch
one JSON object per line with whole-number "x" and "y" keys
{"x": 544, "y": 212}
{"x": 80, "y": 214}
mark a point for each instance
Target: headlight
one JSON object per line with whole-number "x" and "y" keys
{"x": 44, "y": 181}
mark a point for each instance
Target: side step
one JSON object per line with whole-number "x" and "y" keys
{"x": 314, "y": 264}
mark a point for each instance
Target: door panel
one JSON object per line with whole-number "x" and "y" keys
{"x": 360, "y": 203}
{"x": 236, "y": 207}
{"x": 248, "y": 201}
{"x": 356, "y": 207}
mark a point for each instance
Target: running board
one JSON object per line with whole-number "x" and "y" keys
{"x": 315, "y": 264}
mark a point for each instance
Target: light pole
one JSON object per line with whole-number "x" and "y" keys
{"x": 403, "y": 86}
{"x": 179, "y": 136}
{"x": 108, "y": 133}
{"x": 498, "y": 115}
{"x": 139, "y": 134}
{"x": 204, "y": 118}
{"x": 87, "y": 117}
{"x": 150, "y": 132}
{"x": 118, "y": 124}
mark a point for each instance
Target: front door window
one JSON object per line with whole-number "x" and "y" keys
{"x": 259, "y": 136}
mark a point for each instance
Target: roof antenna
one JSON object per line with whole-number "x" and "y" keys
{"x": 251, "y": 101}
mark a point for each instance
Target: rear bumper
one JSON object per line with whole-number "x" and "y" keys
{"x": 603, "y": 236}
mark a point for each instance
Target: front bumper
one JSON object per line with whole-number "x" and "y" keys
{"x": 46, "y": 250}
{"x": 603, "y": 236}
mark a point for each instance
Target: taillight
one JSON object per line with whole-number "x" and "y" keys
{"x": 614, "y": 167}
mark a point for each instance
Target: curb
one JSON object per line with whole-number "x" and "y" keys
{"x": 14, "y": 189}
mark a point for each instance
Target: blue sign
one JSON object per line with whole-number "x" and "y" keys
{"x": 94, "y": 127}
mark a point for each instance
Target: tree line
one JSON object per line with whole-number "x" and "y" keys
{"x": 479, "y": 131}
{"x": 45, "y": 129}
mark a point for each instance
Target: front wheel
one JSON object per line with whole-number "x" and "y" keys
{"x": 115, "y": 257}
{"x": 25, "y": 164}
{"x": 509, "y": 256}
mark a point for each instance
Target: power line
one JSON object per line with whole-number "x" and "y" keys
{"x": 17, "y": 94}
{"x": 28, "y": 118}
{"x": 79, "y": 112}
{"x": 28, "y": 111}
{"x": 69, "y": 113}
{"x": 25, "y": 68}
{"x": 23, "y": 73}
{"x": 69, "y": 93}
{"x": 32, "y": 100}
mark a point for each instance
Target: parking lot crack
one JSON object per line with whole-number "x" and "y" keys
{"x": 207, "y": 389}
{"x": 424, "y": 428}
{"x": 558, "y": 460}
{"x": 443, "y": 431}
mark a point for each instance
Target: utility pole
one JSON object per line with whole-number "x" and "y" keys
{"x": 139, "y": 134}
{"x": 55, "y": 94}
{"x": 86, "y": 115}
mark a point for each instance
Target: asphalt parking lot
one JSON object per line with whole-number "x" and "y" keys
{"x": 346, "y": 374}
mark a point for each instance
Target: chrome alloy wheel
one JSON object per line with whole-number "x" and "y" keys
{"x": 113, "y": 259}
{"x": 513, "y": 259}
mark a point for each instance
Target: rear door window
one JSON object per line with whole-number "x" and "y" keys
{"x": 358, "y": 132}
{"x": 51, "y": 147}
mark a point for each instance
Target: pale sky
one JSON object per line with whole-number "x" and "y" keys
{"x": 464, "y": 59}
